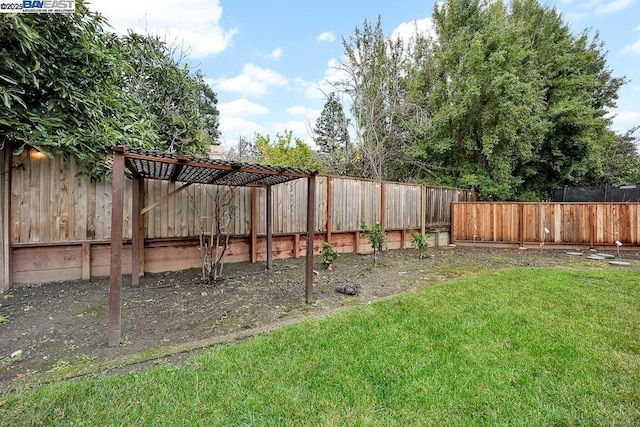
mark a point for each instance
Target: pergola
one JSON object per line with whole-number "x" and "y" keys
{"x": 150, "y": 164}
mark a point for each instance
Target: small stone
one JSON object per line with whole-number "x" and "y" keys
{"x": 595, "y": 257}
{"x": 620, "y": 263}
{"x": 574, "y": 253}
{"x": 605, "y": 255}
{"x": 204, "y": 294}
{"x": 16, "y": 354}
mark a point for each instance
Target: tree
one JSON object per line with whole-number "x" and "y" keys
{"x": 285, "y": 151}
{"x": 56, "y": 91}
{"x": 622, "y": 159}
{"x": 374, "y": 70}
{"x": 516, "y": 104}
{"x": 70, "y": 88}
{"x": 332, "y": 137}
{"x": 178, "y": 105}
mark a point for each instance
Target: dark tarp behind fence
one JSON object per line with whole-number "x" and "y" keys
{"x": 602, "y": 193}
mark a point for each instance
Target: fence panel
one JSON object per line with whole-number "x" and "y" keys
{"x": 583, "y": 224}
{"x": 50, "y": 203}
{"x": 402, "y": 205}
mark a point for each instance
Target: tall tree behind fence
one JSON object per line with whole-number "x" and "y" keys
{"x": 580, "y": 224}
{"x": 50, "y": 203}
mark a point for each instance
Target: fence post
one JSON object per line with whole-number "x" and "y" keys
{"x": 423, "y": 209}
{"x": 329, "y": 225}
{"x": 521, "y": 224}
{"x": 592, "y": 225}
{"x": 383, "y": 205}
{"x": 452, "y": 230}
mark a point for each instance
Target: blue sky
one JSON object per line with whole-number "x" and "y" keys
{"x": 268, "y": 61}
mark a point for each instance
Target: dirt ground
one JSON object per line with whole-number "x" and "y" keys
{"x": 55, "y": 331}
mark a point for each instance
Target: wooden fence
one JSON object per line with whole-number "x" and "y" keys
{"x": 583, "y": 225}
{"x": 57, "y": 224}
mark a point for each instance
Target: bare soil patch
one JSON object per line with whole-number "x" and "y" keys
{"x": 59, "y": 330}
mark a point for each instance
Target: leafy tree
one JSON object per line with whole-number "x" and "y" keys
{"x": 178, "y": 105}
{"x": 622, "y": 159}
{"x": 285, "y": 151}
{"x": 57, "y": 94}
{"x": 516, "y": 103}
{"x": 332, "y": 137}
{"x": 68, "y": 87}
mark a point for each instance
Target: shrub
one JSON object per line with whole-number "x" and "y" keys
{"x": 419, "y": 241}
{"x": 328, "y": 254}
{"x": 376, "y": 236}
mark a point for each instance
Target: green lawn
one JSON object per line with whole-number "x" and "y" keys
{"x": 520, "y": 347}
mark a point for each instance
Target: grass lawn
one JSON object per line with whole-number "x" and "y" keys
{"x": 519, "y": 347}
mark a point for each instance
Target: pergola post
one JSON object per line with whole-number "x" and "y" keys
{"x": 253, "y": 225}
{"x": 311, "y": 215}
{"x": 269, "y": 230}
{"x": 137, "y": 231}
{"x": 115, "y": 283}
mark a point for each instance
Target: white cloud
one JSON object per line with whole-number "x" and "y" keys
{"x": 276, "y": 53}
{"x": 299, "y": 128}
{"x": 241, "y": 108}
{"x": 614, "y": 6}
{"x": 407, "y": 30}
{"x": 625, "y": 120}
{"x": 234, "y": 127}
{"x": 632, "y": 48}
{"x": 194, "y": 23}
{"x": 253, "y": 81}
{"x": 574, "y": 17}
{"x": 320, "y": 90}
{"x": 298, "y": 110}
{"x": 327, "y": 36}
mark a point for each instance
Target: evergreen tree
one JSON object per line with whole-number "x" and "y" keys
{"x": 332, "y": 137}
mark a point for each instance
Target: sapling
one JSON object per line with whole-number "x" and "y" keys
{"x": 376, "y": 236}
{"x": 419, "y": 241}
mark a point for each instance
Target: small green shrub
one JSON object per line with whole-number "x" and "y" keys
{"x": 328, "y": 254}
{"x": 419, "y": 241}
{"x": 376, "y": 236}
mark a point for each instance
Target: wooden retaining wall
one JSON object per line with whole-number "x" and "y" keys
{"x": 58, "y": 224}
{"x": 582, "y": 225}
